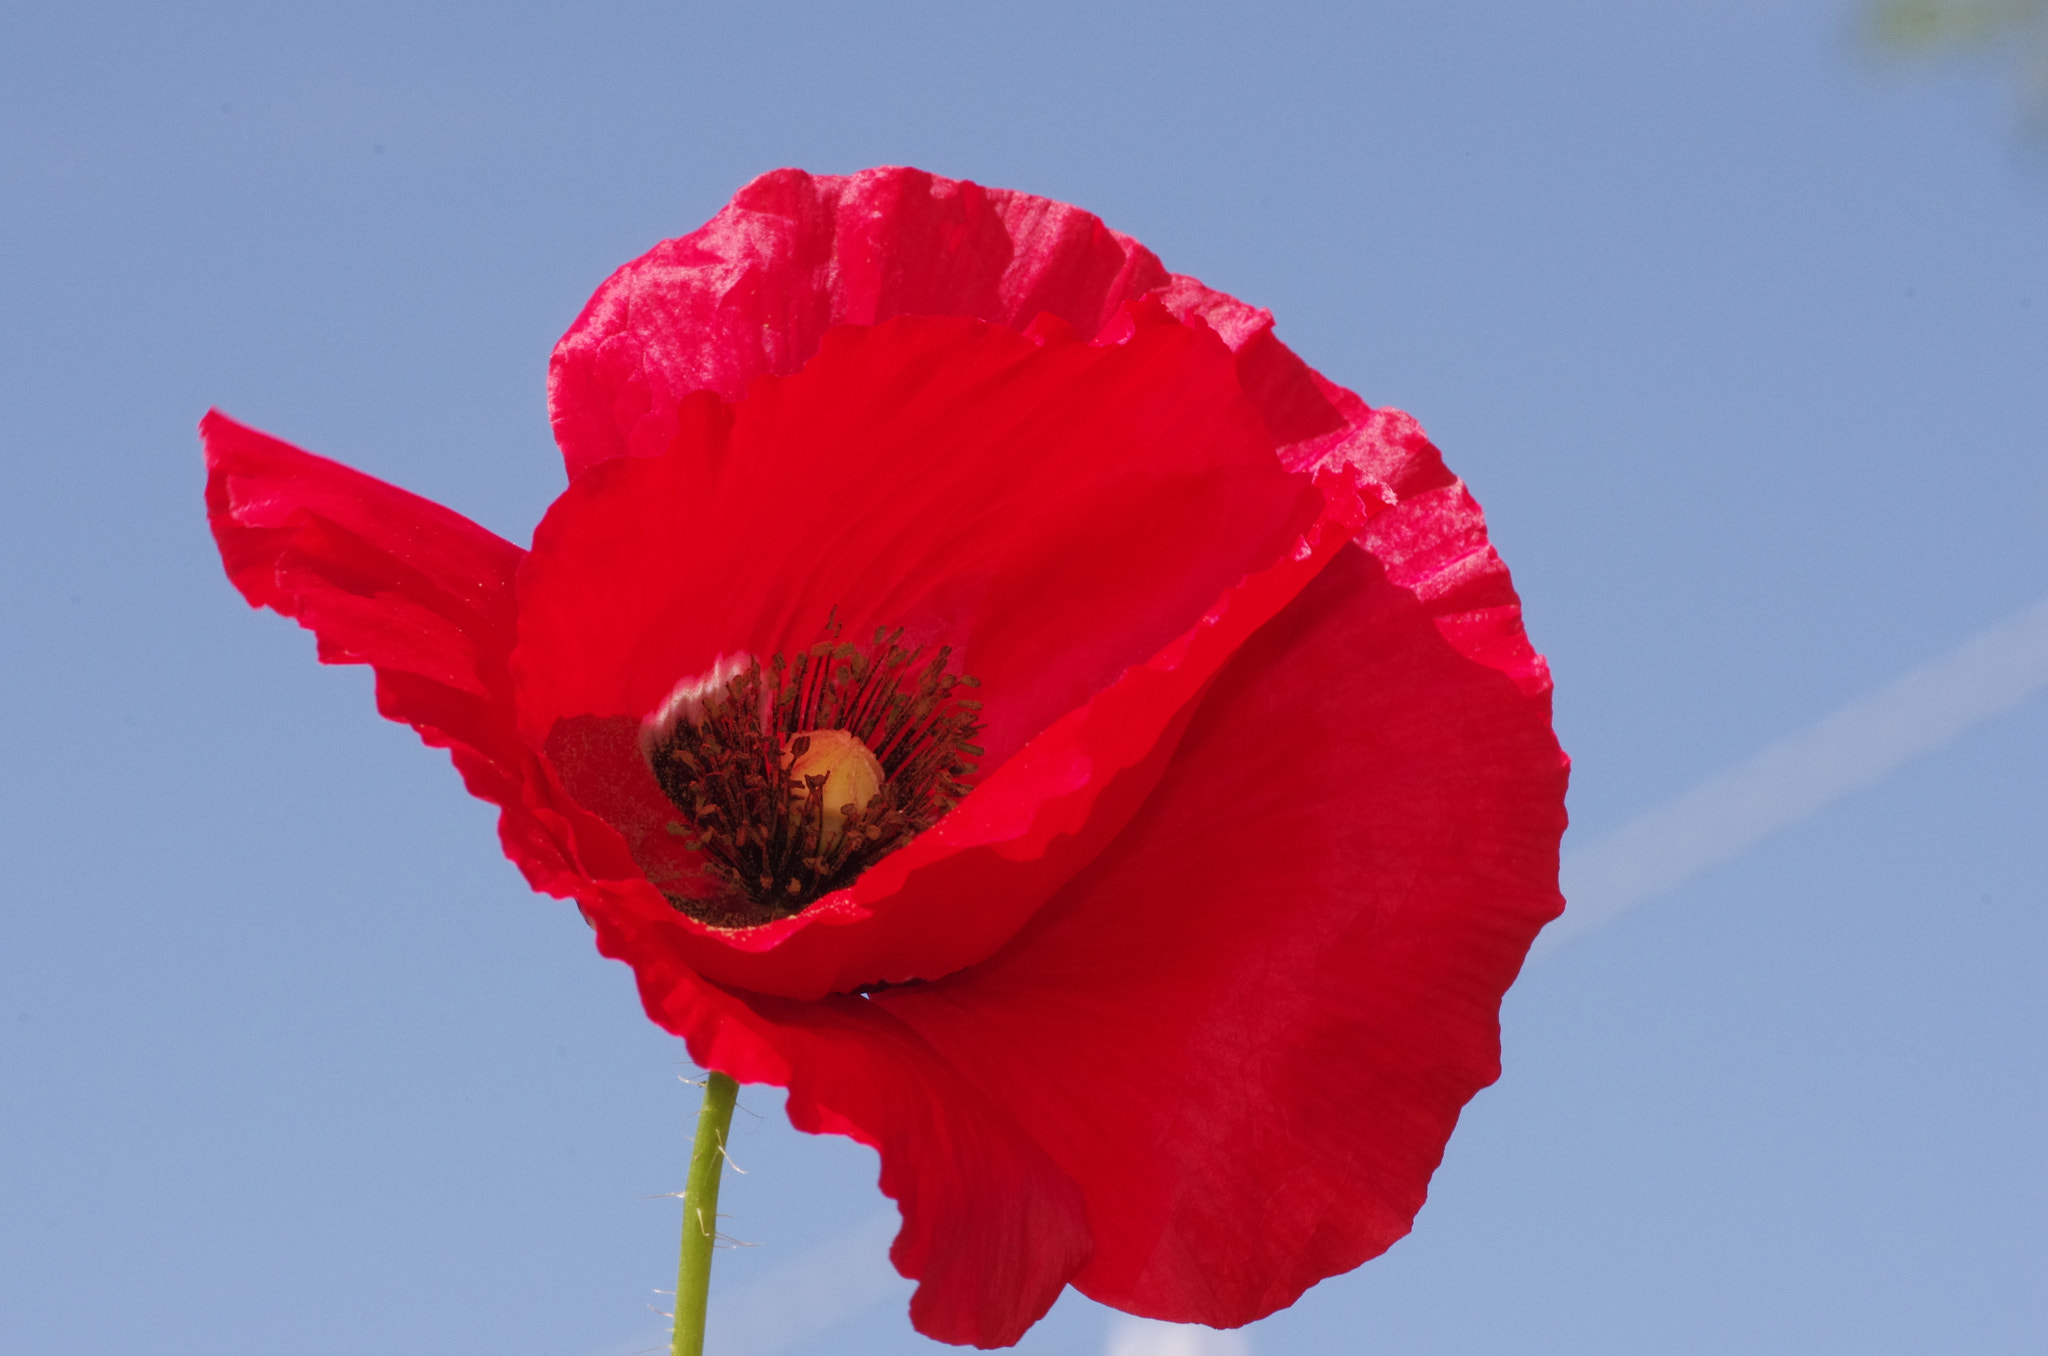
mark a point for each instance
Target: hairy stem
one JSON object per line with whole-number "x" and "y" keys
{"x": 700, "y": 1214}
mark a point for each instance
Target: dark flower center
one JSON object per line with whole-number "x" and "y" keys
{"x": 797, "y": 776}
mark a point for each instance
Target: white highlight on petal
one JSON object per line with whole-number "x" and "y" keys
{"x": 1857, "y": 746}
{"x": 685, "y": 700}
{"x": 1148, "y": 1337}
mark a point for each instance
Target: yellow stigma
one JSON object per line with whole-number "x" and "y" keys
{"x": 852, "y": 775}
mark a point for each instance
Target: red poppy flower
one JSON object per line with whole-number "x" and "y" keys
{"x": 989, "y": 686}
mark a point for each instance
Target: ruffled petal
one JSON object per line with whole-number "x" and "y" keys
{"x": 385, "y": 578}
{"x": 754, "y": 291}
{"x": 1092, "y": 527}
{"x": 1247, "y": 1029}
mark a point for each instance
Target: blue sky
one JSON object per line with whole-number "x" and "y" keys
{"x": 1738, "y": 329}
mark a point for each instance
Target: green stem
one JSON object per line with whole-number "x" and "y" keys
{"x": 700, "y": 1214}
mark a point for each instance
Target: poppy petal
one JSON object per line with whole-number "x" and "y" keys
{"x": 1246, "y": 1030}
{"x": 754, "y": 291}
{"x": 385, "y": 578}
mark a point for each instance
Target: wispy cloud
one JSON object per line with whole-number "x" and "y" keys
{"x": 1794, "y": 779}
{"x": 1147, "y": 1337}
{"x": 810, "y": 1294}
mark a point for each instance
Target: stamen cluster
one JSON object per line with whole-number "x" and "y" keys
{"x": 769, "y": 836}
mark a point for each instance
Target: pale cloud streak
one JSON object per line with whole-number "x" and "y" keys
{"x": 810, "y": 1294}
{"x": 1147, "y": 1337}
{"x": 1797, "y": 777}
